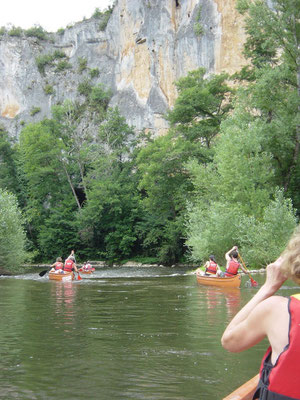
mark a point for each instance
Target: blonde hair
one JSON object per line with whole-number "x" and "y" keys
{"x": 291, "y": 258}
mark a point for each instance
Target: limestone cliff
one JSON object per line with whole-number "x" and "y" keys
{"x": 146, "y": 46}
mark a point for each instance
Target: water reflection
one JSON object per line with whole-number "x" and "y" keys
{"x": 233, "y": 300}
{"x": 216, "y": 298}
{"x": 63, "y": 297}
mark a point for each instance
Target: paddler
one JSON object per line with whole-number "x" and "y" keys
{"x": 211, "y": 267}
{"x": 233, "y": 265}
{"x": 278, "y": 319}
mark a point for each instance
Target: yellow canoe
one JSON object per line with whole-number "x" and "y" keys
{"x": 230, "y": 282}
{"x": 244, "y": 392}
{"x": 66, "y": 277}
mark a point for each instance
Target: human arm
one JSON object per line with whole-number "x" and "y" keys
{"x": 254, "y": 321}
{"x": 227, "y": 255}
{"x": 206, "y": 265}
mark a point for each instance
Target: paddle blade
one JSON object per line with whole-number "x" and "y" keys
{"x": 79, "y": 277}
{"x": 254, "y": 283}
{"x": 43, "y": 272}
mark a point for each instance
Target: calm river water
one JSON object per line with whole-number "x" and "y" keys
{"x": 147, "y": 333}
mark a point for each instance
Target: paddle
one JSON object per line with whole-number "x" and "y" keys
{"x": 253, "y": 282}
{"x": 78, "y": 277}
{"x": 44, "y": 272}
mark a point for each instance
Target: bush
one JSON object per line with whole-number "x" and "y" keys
{"x": 2, "y": 31}
{"x": 63, "y": 65}
{"x": 35, "y": 110}
{"x": 58, "y": 54}
{"x": 48, "y": 89}
{"x": 263, "y": 240}
{"x": 198, "y": 28}
{"x": 105, "y": 18}
{"x": 84, "y": 88}
{"x": 218, "y": 227}
{"x": 42, "y": 61}
{"x": 15, "y": 31}
{"x": 94, "y": 72}
{"x": 97, "y": 13}
{"x": 82, "y": 64}
{"x": 99, "y": 97}
{"x": 36, "y": 31}
{"x": 48, "y": 59}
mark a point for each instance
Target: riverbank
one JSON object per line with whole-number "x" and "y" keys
{"x": 128, "y": 264}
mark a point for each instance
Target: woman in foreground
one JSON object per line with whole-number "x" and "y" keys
{"x": 278, "y": 318}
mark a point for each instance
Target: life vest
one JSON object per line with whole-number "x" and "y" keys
{"x": 232, "y": 269}
{"x": 212, "y": 268}
{"x": 59, "y": 265}
{"x": 281, "y": 381}
{"x": 88, "y": 267}
{"x": 68, "y": 265}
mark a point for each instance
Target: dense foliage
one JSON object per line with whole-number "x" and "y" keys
{"x": 12, "y": 236}
{"x": 227, "y": 172}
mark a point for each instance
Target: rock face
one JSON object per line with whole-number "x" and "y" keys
{"x": 146, "y": 46}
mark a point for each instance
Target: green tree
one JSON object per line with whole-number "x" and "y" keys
{"x": 236, "y": 191}
{"x": 165, "y": 186}
{"x": 12, "y": 236}
{"x": 202, "y": 103}
{"x": 108, "y": 219}
{"x": 47, "y": 177}
{"x": 165, "y": 182}
{"x": 258, "y": 149}
{"x": 273, "y": 46}
{"x": 59, "y": 231}
{"x": 8, "y": 173}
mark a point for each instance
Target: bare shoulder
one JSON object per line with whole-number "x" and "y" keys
{"x": 273, "y": 305}
{"x": 277, "y": 323}
{"x": 277, "y": 301}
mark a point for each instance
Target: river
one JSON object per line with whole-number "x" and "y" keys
{"x": 123, "y": 333}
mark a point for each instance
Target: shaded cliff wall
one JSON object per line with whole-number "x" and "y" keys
{"x": 146, "y": 46}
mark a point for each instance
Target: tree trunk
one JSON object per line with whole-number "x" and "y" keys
{"x": 71, "y": 185}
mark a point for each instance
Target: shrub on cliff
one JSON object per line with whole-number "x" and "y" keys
{"x": 36, "y": 31}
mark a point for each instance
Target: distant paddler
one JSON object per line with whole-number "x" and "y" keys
{"x": 233, "y": 265}
{"x": 70, "y": 264}
{"x": 211, "y": 268}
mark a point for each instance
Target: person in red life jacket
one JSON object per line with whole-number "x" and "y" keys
{"x": 70, "y": 264}
{"x": 88, "y": 266}
{"x": 211, "y": 267}
{"x": 278, "y": 319}
{"x": 232, "y": 265}
{"x": 57, "y": 266}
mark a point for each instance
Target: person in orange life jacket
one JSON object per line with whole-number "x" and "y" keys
{"x": 57, "y": 266}
{"x": 232, "y": 265}
{"x": 70, "y": 264}
{"x": 278, "y": 319}
{"x": 211, "y": 267}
